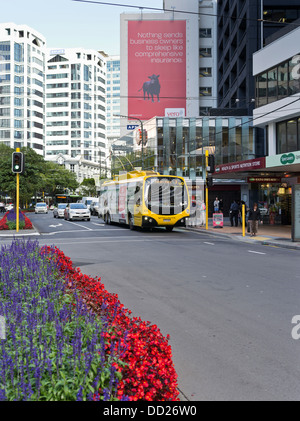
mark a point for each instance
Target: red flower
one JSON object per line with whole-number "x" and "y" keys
{"x": 148, "y": 372}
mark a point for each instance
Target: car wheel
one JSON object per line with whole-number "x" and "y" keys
{"x": 88, "y": 219}
{"x": 54, "y": 216}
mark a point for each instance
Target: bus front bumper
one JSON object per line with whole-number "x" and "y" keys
{"x": 165, "y": 221}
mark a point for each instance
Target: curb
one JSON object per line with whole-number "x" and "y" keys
{"x": 270, "y": 242}
{"x": 21, "y": 233}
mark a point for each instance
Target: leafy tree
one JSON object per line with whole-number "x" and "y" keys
{"x": 88, "y": 187}
{"x": 39, "y": 175}
{"x": 58, "y": 179}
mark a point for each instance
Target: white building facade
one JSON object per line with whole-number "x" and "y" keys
{"x": 22, "y": 90}
{"x": 277, "y": 71}
{"x": 276, "y": 68}
{"x": 76, "y": 110}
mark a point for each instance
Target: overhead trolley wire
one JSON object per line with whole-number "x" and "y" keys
{"x": 157, "y": 9}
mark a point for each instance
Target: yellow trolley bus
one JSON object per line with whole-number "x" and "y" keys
{"x": 145, "y": 199}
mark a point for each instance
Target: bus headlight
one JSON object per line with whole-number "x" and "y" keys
{"x": 146, "y": 218}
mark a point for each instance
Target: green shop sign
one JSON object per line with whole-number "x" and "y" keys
{"x": 288, "y": 158}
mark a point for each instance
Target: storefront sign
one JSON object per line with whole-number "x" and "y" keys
{"x": 251, "y": 164}
{"x": 262, "y": 180}
{"x": 296, "y": 213}
{"x": 283, "y": 159}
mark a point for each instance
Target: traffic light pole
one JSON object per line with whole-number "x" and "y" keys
{"x": 206, "y": 189}
{"x": 17, "y": 198}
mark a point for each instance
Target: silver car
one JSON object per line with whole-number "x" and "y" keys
{"x": 41, "y": 208}
{"x": 77, "y": 211}
{"x": 59, "y": 210}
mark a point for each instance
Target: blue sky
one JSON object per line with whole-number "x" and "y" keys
{"x": 68, "y": 23}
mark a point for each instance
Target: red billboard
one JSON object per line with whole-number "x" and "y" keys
{"x": 156, "y": 68}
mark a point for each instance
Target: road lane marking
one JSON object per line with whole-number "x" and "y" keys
{"x": 256, "y": 252}
{"x": 206, "y": 242}
{"x": 79, "y": 225}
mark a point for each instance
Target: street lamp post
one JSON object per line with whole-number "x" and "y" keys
{"x": 141, "y": 123}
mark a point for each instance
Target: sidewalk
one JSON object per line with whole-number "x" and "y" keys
{"x": 275, "y": 235}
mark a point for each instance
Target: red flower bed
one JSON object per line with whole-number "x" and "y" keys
{"x": 148, "y": 372}
{"x": 9, "y": 221}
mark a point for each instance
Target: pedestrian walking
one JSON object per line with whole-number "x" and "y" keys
{"x": 216, "y": 205}
{"x": 234, "y": 213}
{"x": 254, "y": 217}
{"x": 202, "y": 219}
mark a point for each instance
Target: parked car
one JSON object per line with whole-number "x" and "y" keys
{"x": 9, "y": 206}
{"x": 77, "y": 211}
{"x": 59, "y": 210}
{"x": 2, "y": 207}
{"x": 94, "y": 206}
{"x": 41, "y": 207}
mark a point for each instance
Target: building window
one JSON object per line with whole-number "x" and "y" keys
{"x": 278, "y": 82}
{"x": 204, "y": 111}
{"x": 205, "y": 52}
{"x": 205, "y": 91}
{"x": 205, "y": 32}
{"x": 205, "y": 72}
{"x": 288, "y": 136}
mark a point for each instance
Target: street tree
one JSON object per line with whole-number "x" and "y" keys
{"x": 88, "y": 187}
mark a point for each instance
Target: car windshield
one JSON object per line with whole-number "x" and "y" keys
{"x": 77, "y": 206}
{"x": 38, "y": 205}
{"x": 62, "y": 206}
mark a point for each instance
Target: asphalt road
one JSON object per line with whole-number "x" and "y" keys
{"x": 227, "y": 305}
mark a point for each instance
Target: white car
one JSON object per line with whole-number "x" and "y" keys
{"x": 41, "y": 208}
{"x": 59, "y": 210}
{"x": 77, "y": 211}
{"x": 94, "y": 206}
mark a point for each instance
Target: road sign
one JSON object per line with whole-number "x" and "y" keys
{"x": 132, "y": 126}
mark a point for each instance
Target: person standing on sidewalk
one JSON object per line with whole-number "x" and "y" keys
{"x": 254, "y": 217}
{"x": 234, "y": 213}
{"x": 216, "y": 205}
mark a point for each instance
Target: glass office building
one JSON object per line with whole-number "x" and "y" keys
{"x": 179, "y": 144}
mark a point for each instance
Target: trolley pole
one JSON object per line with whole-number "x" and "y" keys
{"x": 206, "y": 189}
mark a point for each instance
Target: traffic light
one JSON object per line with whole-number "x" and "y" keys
{"x": 211, "y": 164}
{"x": 17, "y": 162}
{"x": 209, "y": 180}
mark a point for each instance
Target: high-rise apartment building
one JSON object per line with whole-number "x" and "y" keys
{"x": 22, "y": 78}
{"x": 75, "y": 109}
{"x": 113, "y": 86}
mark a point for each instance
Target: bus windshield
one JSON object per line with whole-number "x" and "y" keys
{"x": 165, "y": 195}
